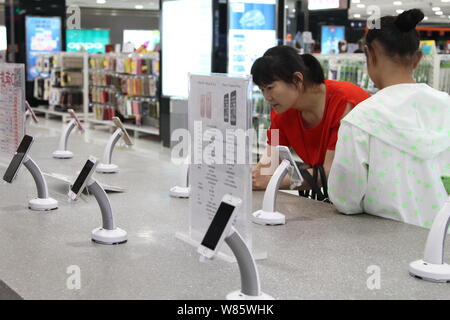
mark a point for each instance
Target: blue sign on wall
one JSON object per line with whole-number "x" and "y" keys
{"x": 43, "y": 35}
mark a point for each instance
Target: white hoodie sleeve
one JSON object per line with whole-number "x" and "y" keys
{"x": 347, "y": 181}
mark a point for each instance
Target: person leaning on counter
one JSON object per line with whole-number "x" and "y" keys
{"x": 306, "y": 109}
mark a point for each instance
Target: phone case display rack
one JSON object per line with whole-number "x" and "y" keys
{"x": 125, "y": 83}
{"x": 61, "y": 80}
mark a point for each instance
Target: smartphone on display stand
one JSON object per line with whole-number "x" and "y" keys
{"x": 83, "y": 178}
{"x": 226, "y": 107}
{"x": 33, "y": 115}
{"x": 233, "y": 108}
{"x": 18, "y": 158}
{"x": 119, "y": 125}
{"x": 285, "y": 154}
{"x": 74, "y": 115}
{"x": 220, "y": 226}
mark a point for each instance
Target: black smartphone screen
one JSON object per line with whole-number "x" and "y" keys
{"x": 217, "y": 225}
{"x": 82, "y": 177}
{"x": 226, "y": 108}
{"x": 16, "y": 161}
{"x": 233, "y": 108}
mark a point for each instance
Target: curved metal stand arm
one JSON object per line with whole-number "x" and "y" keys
{"x": 38, "y": 177}
{"x": 184, "y": 176}
{"x": 270, "y": 196}
{"x": 434, "y": 249}
{"x": 105, "y": 206}
{"x": 65, "y": 135}
{"x": 247, "y": 266}
{"x": 107, "y": 155}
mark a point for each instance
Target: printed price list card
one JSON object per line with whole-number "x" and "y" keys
{"x": 12, "y": 92}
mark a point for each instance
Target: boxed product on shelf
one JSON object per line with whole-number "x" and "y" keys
{"x": 66, "y": 98}
{"x": 68, "y": 61}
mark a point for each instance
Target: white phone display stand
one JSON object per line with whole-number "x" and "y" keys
{"x": 432, "y": 266}
{"x": 62, "y": 152}
{"x": 42, "y": 202}
{"x": 27, "y": 118}
{"x": 182, "y": 190}
{"x": 106, "y": 166}
{"x": 268, "y": 215}
{"x": 250, "y": 285}
{"x": 108, "y": 234}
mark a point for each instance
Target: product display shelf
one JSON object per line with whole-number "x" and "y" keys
{"x": 62, "y": 81}
{"x": 49, "y": 112}
{"x": 125, "y": 84}
{"x": 130, "y": 127}
{"x": 347, "y": 67}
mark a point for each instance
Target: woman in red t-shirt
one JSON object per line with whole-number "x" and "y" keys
{"x": 307, "y": 109}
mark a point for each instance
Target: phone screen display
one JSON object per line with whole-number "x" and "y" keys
{"x": 233, "y": 108}
{"x": 218, "y": 225}
{"x": 82, "y": 177}
{"x": 17, "y": 159}
{"x": 226, "y": 108}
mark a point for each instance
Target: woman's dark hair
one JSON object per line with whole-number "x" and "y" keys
{"x": 398, "y": 35}
{"x": 281, "y": 62}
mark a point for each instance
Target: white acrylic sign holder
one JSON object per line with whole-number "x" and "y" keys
{"x": 218, "y": 103}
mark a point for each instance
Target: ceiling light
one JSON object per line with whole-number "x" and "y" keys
{"x": 139, "y": 6}
{"x": 101, "y": 1}
{"x": 398, "y": 3}
{"x": 425, "y": 18}
{"x": 356, "y": 1}
{"x": 439, "y": 13}
{"x": 361, "y": 5}
{"x": 436, "y": 9}
{"x": 399, "y": 11}
{"x": 445, "y": 0}
{"x": 356, "y": 15}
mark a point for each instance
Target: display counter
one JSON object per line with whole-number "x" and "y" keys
{"x": 318, "y": 254}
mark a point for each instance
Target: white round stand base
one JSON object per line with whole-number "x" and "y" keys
{"x": 238, "y": 295}
{"x": 430, "y": 272}
{"x": 107, "y": 168}
{"x": 180, "y": 192}
{"x": 43, "y": 204}
{"x": 62, "y": 154}
{"x": 103, "y": 236}
{"x": 268, "y": 218}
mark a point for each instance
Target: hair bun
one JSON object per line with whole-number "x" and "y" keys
{"x": 408, "y": 20}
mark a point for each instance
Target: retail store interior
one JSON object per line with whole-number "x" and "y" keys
{"x": 110, "y": 114}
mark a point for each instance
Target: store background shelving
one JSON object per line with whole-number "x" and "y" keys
{"x": 62, "y": 81}
{"x": 125, "y": 84}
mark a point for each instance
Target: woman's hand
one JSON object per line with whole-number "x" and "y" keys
{"x": 259, "y": 181}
